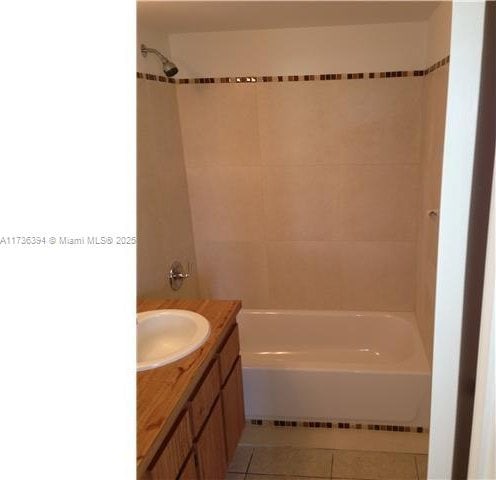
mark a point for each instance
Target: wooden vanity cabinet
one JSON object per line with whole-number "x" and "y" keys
{"x": 174, "y": 452}
{"x": 202, "y": 443}
{"x": 189, "y": 472}
{"x": 233, "y": 408}
{"x": 211, "y": 446}
{"x": 228, "y": 354}
{"x": 204, "y": 397}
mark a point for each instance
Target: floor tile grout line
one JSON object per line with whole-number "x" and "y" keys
{"x": 291, "y": 477}
{"x": 303, "y": 476}
{"x": 249, "y": 461}
{"x": 245, "y": 472}
{"x": 285, "y": 475}
{"x": 337, "y": 450}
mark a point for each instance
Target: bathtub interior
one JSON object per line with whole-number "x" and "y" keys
{"x": 331, "y": 339}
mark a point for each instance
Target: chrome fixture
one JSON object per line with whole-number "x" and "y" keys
{"x": 177, "y": 275}
{"x": 168, "y": 67}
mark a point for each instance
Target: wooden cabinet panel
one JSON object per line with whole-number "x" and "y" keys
{"x": 189, "y": 471}
{"x": 215, "y": 421}
{"x": 211, "y": 448}
{"x": 204, "y": 397}
{"x": 228, "y": 354}
{"x": 175, "y": 452}
{"x": 233, "y": 409}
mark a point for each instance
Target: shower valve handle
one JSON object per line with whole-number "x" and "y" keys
{"x": 177, "y": 275}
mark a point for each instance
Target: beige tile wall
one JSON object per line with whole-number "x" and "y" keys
{"x": 305, "y": 194}
{"x": 435, "y": 96}
{"x": 164, "y": 220}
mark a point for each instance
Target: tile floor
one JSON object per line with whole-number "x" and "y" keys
{"x": 289, "y": 463}
{"x": 336, "y": 439}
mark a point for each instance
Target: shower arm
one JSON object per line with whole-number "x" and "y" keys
{"x": 145, "y": 50}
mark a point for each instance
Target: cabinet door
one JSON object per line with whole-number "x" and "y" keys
{"x": 233, "y": 408}
{"x": 189, "y": 470}
{"x": 228, "y": 354}
{"x": 204, "y": 397}
{"x": 174, "y": 453}
{"x": 211, "y": 448}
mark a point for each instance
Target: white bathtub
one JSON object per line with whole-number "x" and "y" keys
{"x": 365, "y": 367}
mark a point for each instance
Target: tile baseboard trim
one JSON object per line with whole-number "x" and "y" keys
{"x": 298, "y": 78}
{"x": 337, "y": 425}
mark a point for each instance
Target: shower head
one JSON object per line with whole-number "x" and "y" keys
{"x": 168, "y": 67}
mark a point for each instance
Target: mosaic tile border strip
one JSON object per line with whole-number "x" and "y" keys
{"x": 299, "y": 78}
{"x": 337, "y": 425}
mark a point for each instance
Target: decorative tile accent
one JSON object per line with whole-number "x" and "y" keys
{"x": 337, "y": 425}
{"x": 300, "y": 78}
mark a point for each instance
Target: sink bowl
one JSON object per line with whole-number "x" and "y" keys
{"x": 165, "y": 336}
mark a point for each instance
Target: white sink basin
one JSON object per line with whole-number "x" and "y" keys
{"x": 165, "y": 336}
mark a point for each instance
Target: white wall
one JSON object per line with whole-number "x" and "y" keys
{"x": 438, "y": 34}
{"x": 350, "y": 48}
{"x": 458, "y": 159}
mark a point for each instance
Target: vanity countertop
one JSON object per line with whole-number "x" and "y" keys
{"x": 163, "y": 392}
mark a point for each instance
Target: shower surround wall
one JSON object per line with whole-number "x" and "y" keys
{"x": 435, "y": 92}
{"x": 434, "y": 113}
{"x": 164, "y": 219}
{"x": 304, "y": 195}
{"x": 314, "y": 194}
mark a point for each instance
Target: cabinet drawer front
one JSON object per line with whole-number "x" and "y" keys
{"x": 211, "y": 448}
{"x": 189, "y": 471}
{"x": 234, "y": 410}
{"x": 176, "y": 450}
{"x": 204, "y": 398}
{"x": 228, "y": 354}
